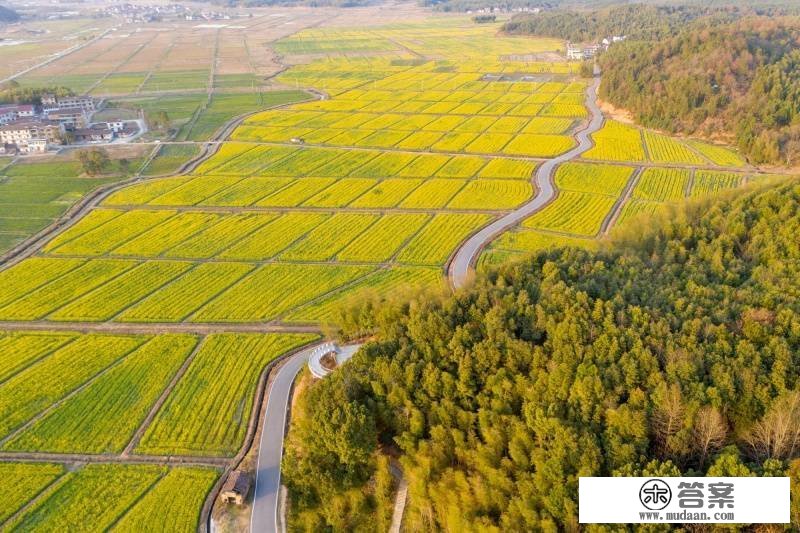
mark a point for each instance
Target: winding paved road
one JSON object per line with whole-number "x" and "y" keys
{"x": 461, "y": 265}
{"x": 270, "y": 447}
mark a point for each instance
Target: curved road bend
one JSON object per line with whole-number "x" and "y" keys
{"x": 270, "y": 447}
{"x": 466, "y": 256}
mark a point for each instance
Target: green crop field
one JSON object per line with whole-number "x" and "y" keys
{"x": 75, "y": 426}
{"x": 665, "y": 149}
{"x": 708, "y": 182}
{"x": 121, "y": 497}
{"x": 576, "y": 213}
{"x": 34, "y": 194}
{"x": 216, "y": 391}
{"x": 662, "y": 184}
{"x": 593, "y": 178}
{"x": 617, "y": 142}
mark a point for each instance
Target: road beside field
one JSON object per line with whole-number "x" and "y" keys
{"x": 462, "y": 264}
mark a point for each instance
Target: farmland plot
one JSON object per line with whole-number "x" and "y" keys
{"x": 93, "y": 220}
{"x": 110, "y": 235}
{"x": 179, "y": 299}
{"x": 324, "y": 241}
{"x": 533, "y": 241}
{"x": 662, "y": 184}
{"x": 492, "y": 194}
{"x": 103, "y": 417}
{"x": 383, "y": 239}
{"x": 280, "y": 287}
{"x": 216, "y": 392}
{"x": 274, "y": 237}
{"x": 382, "y": 282}
{"x": 173, "y": 504}
{"x": 665, "y": 149}
{"x": 140, "y": 193}
{"x": 709, "y": 182}
{"x": 616, "y": 142}
{"x": 246, "y": 192}
{"x": 386, "y": 193}
{"x": 719, "y": 155}
{"x": 534, "y": 145}
{"x": 341, "y": 193}
{"x": 634, "y": 207}
{"x": 436, "y": 241}
{"x": 113, "y": 297}
{"x": 175, "y": 230}
{"x": 296, "y": 193}
{"x": 97, "y": 495}
{"x": 574, "y": 213}
{"x": 432, "y": 194}
{"x": 21, "y": 482}
{"x": 594, "y": 178}
{"x": 37, "y": 387}
{"x": 23, "y": 349}
{"x": 32, "y": 274}
{"x": 196, "y": 190}
{"x": 227, "y": 231}
{"x": 46, "y": 299}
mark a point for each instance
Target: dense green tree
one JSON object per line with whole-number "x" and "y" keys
{"x": 674, "y": 350}
{"x": 740, "y": 80}
{"x": 93, "y": 160}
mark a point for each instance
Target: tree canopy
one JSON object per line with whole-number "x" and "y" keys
{"x": 636, "y": 21}
{"x": 738, "y": 79}
{"x": 675, "y": 350}
{"x": 11, "y": 92}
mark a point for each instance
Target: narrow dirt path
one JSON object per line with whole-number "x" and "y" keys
{"x": 460, "y": 269}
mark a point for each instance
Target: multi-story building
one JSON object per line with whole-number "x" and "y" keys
{"x": 76, "y": 102}
{"x": 96, "y": 133}
{"x": 70, "y": 118}
{"x": 574, "y": 51}
{"x": 9, "y": 113}
{"x": 23, "y": 133}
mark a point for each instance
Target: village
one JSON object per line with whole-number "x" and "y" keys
{"x": 583, "y": 51}
{"x": 59, "y": 121}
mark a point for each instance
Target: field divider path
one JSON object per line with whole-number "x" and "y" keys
{"x": 690, "y": 183}
{"x": 169, "y": 460}
{"x": 145, "y": 328}
{"x": 137, "y": 436}
{"x": 463, "y": 260}
{"x": 616, "y": 210}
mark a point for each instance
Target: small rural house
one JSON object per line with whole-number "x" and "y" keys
{"x": 235, "y": 488}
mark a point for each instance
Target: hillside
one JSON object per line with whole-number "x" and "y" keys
{"x": 737, "y": 81}
{"x": 673, "y": 352}
{"x": 636, "y": 21}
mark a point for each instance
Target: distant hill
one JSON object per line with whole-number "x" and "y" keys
{"x": 8, "y": 15}
{"x": 737, "y": 80}
{"x": 636, "y": 21}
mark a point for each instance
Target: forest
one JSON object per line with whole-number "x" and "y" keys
{"x": 11, "y": 92}
{"x": 738, "y": 81}
{"x": 636, "y": 21}
{"x": 673, "y": 350}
